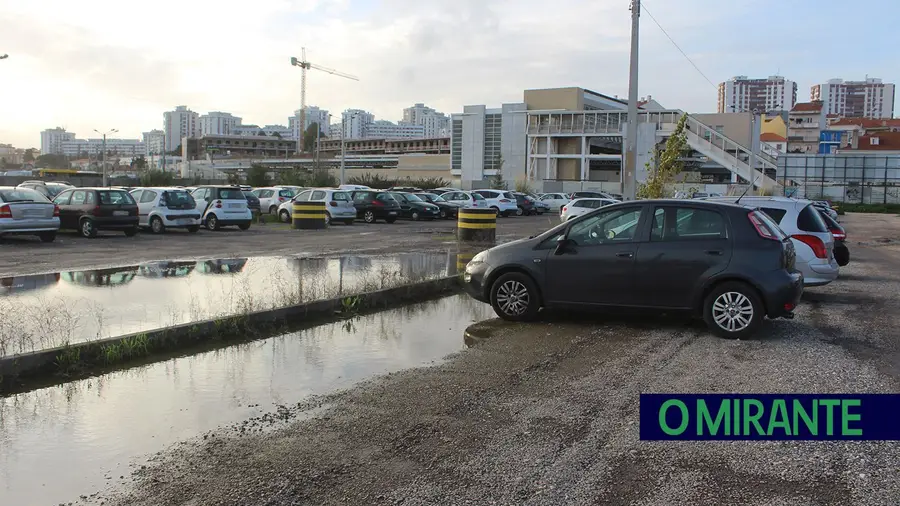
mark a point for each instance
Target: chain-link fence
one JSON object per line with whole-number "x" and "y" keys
{"x": 858, "y": 179}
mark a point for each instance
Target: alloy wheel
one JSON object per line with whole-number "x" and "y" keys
{"x": 513, "y": 298}
{"x": 732, "y": 311}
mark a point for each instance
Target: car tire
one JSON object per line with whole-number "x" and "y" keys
{"x": 390, "y": 220}
{"x": 47, "y": 236}
{"x": 443, "y": 214}
{"x": 156, "y": 225}
{"x": 514, "y": 297}
{"x": 369, "y": 216}
{"x": 212, "y": 223}
{"x": 415, "y": 216}
{"x": 497, "y": 211}
{"x": 285, "y": 216}
{"x": 327, "y": 219}
{"x": 733, "y": 310}
{"x": 193, "y": 229}
{"x": 273, "y": 210}
{"x": 244, "y": 226}
{"x": 520, "y": 211}
{"x": 131, "y": 232}
{"x": 87, "y": 229}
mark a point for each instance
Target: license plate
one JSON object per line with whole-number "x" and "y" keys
{"x": 120, "y": 213}
{"x": 183, "y": 221}
{"x": 235, "y": 206}
{"x": 392, "y": 212}
{"x": 32, "y": 214}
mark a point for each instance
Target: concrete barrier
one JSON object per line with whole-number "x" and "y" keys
{"x": 309, "y": 216}
{"x": 477, "y": 225}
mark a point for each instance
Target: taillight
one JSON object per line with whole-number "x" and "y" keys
{"x": 505, "y": 201}
{"x": 55, "y": 211}
{"x": 5, "y": 212}
{"x": 563, "y": 209}
{"x": 280, "y": 199}
{"x": 761, "y": 227}
{"x": 814, "y": 243}
{"x": 219, "y": 204}
{"x": 333, "y": 204}
{"x": 96, "y": 210}
{"x": 377, "y": 203}
{"x": 838, "y": 235}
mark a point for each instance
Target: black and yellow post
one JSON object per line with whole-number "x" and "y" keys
{"x": 463, "y": 259}
{"x": 477, "y": 225}
{"x": 308, "y": 215}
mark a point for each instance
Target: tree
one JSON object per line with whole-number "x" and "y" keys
{"x": 157, "y": 178}
{"x": 176, "y": 151}
{"x": 261, "y": 133}
{"x": 29, "y": 155}
{"x": 666, "y": 164}
{"x": 139, "y": 163}
{"x": 258, "y": 175}
{"x": 51, "y": 161}
{"x": 309, "y": 138}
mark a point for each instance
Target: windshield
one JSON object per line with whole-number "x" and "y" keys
{"x": 22, "y": 195}
{"x": 413, "y": 198}
{"x": 115, "y": 197}
{"x": 231, "y": 194}
{"x": 178, "y": 198}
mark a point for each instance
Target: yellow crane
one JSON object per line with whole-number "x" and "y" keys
{"x": 304, "y": 66}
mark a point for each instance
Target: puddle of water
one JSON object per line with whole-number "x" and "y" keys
{"x": 59, "y": 442}
{"x": 47, "y": 310}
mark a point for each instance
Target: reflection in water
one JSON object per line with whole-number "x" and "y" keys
{"x": 76, "y": 433}
{"x": 17, "y": 284}
{"x": 100, "y": 303}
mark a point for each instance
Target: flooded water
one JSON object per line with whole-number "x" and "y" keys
{"x": 47, "y": 310}
{"x": 60, "y": 442}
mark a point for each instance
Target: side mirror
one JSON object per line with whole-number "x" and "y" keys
{"x": 562, "y": 245}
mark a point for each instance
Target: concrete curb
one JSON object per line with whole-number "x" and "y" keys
{"x": 94, "y": 353}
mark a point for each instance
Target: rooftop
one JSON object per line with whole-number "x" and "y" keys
{"x": 867, "y": 123}
{"x": 814, "y": 106}
{"x": 881, "y": 141}
{"x": 771, "y": 137}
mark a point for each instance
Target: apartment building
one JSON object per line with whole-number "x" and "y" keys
{"x": 743, "y": 94}
{"x": 433, "y": 123}
{"x": 313, "y": 115}
{"x": 94, "y": 147}
{"x": 806, "y": 121}
{"x": 52, "y": 139}
{"x": 218, "y": 123}
{"x": 383, "y": 129}
{"x": 870, "y": 98}
{"x": 154, "y": 142}
{"x": 180, "y": 123}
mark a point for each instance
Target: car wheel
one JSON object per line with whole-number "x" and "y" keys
{"x": 193, "y": 229}
{"x": 520, "y": 211}
{"x": 212, "y": 223}
{"x": 514, "y": 297}
{"x": 87, "y": 229}
{"x": 156, "y": 225}
{"x": 244, "y": 226}
{"x": 327, "y": 219}
{"x": 733, "y": 310}
{"x": 130, "y": 232}
{"x": 496, "y": 210}
{"x": 47, "y": 236}
{"x": 390, "y": 220}
{"x": 414, "y": 216}
{"x": 273, "y": 210}
{"x": 285, "y": 216}
{"x": 369, "y": 216}
{"x": 443, "y": 214}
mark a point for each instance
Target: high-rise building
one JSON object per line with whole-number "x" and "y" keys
{"x": 313, "y": 115}
{"x": 742, "y": 94}
{"x": 383, "y": 129}
{"x": 356, "y": 123}
{"x": 52, "y": 139}
{"x": 154, "y": 143}
{"x": 856, "y": 99}
{"x": 218, "y": 123}
{"x": 434, "y": 124}
{"x": 178, "y": 124}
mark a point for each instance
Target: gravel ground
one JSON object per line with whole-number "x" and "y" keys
{"x": 547, "y": 413}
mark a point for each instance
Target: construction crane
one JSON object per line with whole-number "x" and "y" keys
{"x": 304, "y": 66}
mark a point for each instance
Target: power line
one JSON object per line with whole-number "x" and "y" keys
{"x": 644, "y": 7}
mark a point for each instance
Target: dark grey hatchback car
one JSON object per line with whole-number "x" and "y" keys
{"x": 722, "y": 263}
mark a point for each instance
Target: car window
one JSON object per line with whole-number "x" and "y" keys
{"x": 809, "y": 220}
{"x": 684, "y": 223}
{"x": 54, "y": 189}
{"x": 317, "y": 195}
{"x": 362, "y": 196}
{"x": 148, "y": 196}
{"x": 303, "y": 196}
{"x": 200, "y": 193}
{"x": 91, "y": 198}
{"x": 508, "y": 195}
{"x": 136, "y": 194}
{"x": 611, "y": 227}
{"x": 476, "y": 197}
{"x": 63, "y": 198}
{"x": 287, "y": 193}
{"x": 341, "y": 196}
{"x": 399, "y": 197}
{"x": 115, "y": 197}
{"x": 775, "y": 214}
{"x": 78, "y": 197}
{"x": 384, "y": 197}
{"x": 231, "y": 194}
{"x": 178, "y": 197}
{"x": 22, "y": 195}
{"x": 583, "y": 203}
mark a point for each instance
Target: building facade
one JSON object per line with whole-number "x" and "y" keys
{"x": 218, "y": 123}
{"x": 488, "y": 142}
{"x": 313, "y": 115}
{"x": 433, "y": 123}
{"x": 870, "y": 98}
{"x": 52, "y": 139}
{"x": 267, "y": 130}
{"x": 94, "y": 147}
{"x": 180, "y": 123}
{"x": 805, "y": 122}
{"x": 242, "y": 146}
{"x": 355, "y": 123}
{"x": 435, "y": 146}
{"x": 154, "y": 142}
{"x": 742, "y": 94}
{"x": 382, "y": 129}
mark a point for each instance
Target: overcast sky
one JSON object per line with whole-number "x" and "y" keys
{"x": 102, "y": 64}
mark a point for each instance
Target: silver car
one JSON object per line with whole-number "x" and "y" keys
{"x": 24, "y": 211}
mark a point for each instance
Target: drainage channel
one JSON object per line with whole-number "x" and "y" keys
{"x": 74, "y": 439}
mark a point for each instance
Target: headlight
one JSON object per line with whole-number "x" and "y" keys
{"x": 479, "y": 258}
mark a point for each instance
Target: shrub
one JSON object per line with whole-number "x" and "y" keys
{"x": 157, "y": 178}
{"x": 258, "y": 176}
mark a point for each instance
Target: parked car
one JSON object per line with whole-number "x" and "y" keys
{"x": 825, "y": 206}
{"x": 25, "y": 211}
{"x": 373, "y": 205}
{"x": 414, "y": 208}
{"x": 525, "y": 205}
{"x": 221, "y": 206}
{"x": 89, "y": 210}
{"x": 577, "y": 207}
{"x": 539, "y": 206}
{"x": 448, "y": 210}
{"x": 841, "y": 251}
{"x": 271, "y": 198}
{"x": 555, "y": 200}
{"x": 813, "y": 242}
{"x": 445, "y": 189}
{"x": 465, "y": 199}
{"x": 295, "y": 190}
{"x": 351, "y": 187}
{"x": 253, "y": 202}
{"x": 501, "y": 201}
{"x": 338, "y": 205}
{"x": 723, "y": 263}
{"x": 405, "y": 189}
{"x": 592, "y": 195}
{"x": 49, "y": 189}
{"x": 162, "y": 208}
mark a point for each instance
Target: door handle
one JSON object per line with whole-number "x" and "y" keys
{"x": 625, "y": 254}
{"x": 715, "y": 252}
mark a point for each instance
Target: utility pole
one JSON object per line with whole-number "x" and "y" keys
{"x": 343, "y": 146}
{"x": 630, "y": 173}
{"x": 103, "y": 171}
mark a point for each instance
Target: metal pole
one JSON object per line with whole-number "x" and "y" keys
{"x": 105, "y": 178}
{"x": 318, "y": 130}
{"x": 754, "y": 144}
{"x": 343, "y": 145}
{"x": 630, "y": 172}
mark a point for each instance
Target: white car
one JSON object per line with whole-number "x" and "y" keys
{"x": 502, "y": 201}
{"x": 271, "y": 198}
{"x": 351, "y": 187}
{"x": 555, "y": 200}
{"x": 578, "y": 207}
{"x": 813, "y": 242}
{"x": 222, "y": 206}
{"x": 161, "y": 208}
{"x": 338, "y": 205}
{"x": 465, "y": 199}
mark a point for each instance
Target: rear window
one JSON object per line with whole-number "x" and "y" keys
{"x": 508, "y": 195}
{"x": 285, "y": 193}
{"x": 476, "y": 196}
{"x": 775, "y": 214}
{"x": 809, "y": 220}
{"x": 231, "y": 194}
{"x": 178, "y": 197}
{"x": 21, "y": 195}
{"x": 583, "y": 203}
{"x": 384, "y": 197}
{"x": 342, "y": 196}
{"x": 115, "y": 197}
{"x": 55, "y": 189}
{"x": 770, "y": 224}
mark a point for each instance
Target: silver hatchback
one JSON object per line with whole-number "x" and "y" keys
{"x": 24, "y": 211}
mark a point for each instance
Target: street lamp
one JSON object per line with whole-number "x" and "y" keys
{"x": 343, "y": 143}
{"x": 104, "y": 134}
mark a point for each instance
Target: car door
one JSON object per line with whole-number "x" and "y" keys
{"x": 145, "y": 206}
{"x": 405, "y": 206}
{"x": 686, "y": 246}
{"x": 76, "y": 207}
{"x": 201, "y": 198}
{"x": 65, "y": 212}
{"x": 594, "y": 265}
{"x": 362, "y": 202}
